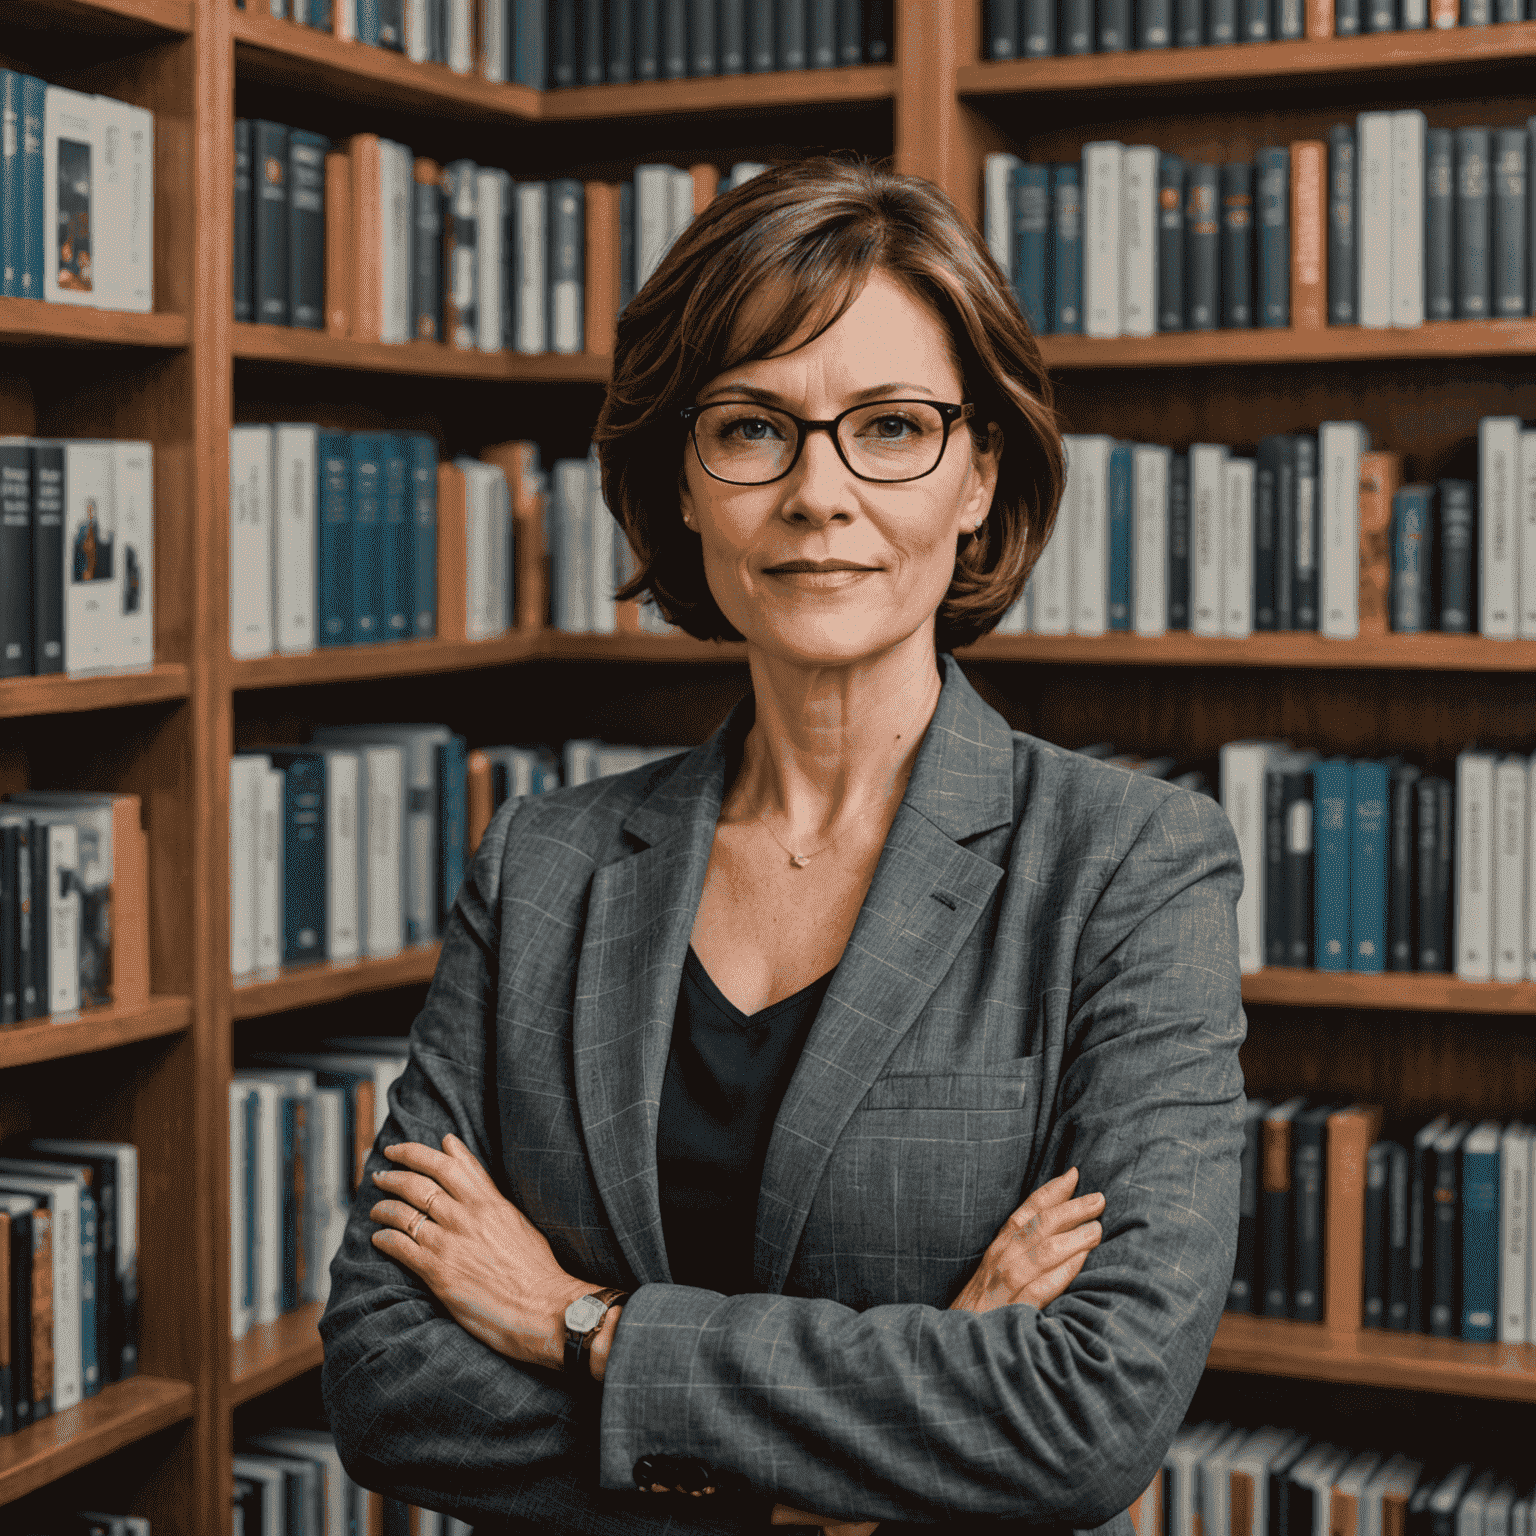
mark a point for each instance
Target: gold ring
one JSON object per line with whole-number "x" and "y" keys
{"x": 415, "y": 1226}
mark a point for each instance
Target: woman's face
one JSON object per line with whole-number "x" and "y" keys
{"x": 823, "y": 566}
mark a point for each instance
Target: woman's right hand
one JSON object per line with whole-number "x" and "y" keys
{"x": 1039, "y": 1250}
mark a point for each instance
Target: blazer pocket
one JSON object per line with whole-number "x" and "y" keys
{"x": 1010, "y": 1085}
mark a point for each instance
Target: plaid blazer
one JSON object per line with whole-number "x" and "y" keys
{"x": 1044, "y": 973}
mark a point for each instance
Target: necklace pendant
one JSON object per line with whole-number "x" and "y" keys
{"x": 799, "y": 860}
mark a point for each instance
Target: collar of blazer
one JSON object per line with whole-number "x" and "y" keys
{"x": 923, "y": 903}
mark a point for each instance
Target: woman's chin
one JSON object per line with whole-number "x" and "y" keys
{"x": 826, "y": 639}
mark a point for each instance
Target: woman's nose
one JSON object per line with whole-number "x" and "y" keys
{"x": 821, "y": 484}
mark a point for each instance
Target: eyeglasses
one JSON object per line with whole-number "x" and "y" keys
{"x": 885, "y": 441}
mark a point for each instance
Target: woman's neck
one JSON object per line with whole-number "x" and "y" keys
{"x": 831, "y": 745}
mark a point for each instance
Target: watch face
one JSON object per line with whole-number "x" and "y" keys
{"x": 584, "y": 1314}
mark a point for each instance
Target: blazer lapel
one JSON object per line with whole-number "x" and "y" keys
{"x": 926, "y": 896}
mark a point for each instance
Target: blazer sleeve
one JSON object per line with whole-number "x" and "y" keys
{"x": 911, "y": 1413}
{"x": 419, "y": 1409}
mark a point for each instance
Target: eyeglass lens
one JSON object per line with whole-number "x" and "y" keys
{"x": 751, "y": 444}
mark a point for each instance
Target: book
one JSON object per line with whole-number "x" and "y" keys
{"x": 566, "y": 265}
{"x": 1139, "y": 239}
{"x": 1343, "y": 273}
{"x": 1067, "y": 252}
{"x": 1509, "y": 223}
{"x": 1273, "y": 534}
{"x": 1037, "y": 25}
{"x": 1373, "y": 218}
{"x": 366, "y": 154}
{"x": 295, "y": 483}
{"x": 1151, "y": 469}
{"x": 340, "y": 256}
{"x": 1276, "y": 1209}
{"x": 1170, "y": 242}
{"x": 17, "y": 1247}
{"x": 1029, "y": 195}
{"x": 1331, "y": 864}
{"x": 1514, "y": 1248}
{"x": 1474, "y": 865}
{"x": 1439, "y": 224}
{"x": 1509, "y": 928}
{"x": 461, "y": 272}
{"x": 493, "y": 302}
{"x": 1499, "y": 526}
{"x": 131, "y": 627}
{"x": 1474, "y": 227}
{"x": 1401, "y": 861}
{"x": 250, "y": 541}
{"x": 1103, "y": 171}
{"x": 427, "y": 244}
{"x": 16, "y": 653}
{"x": 333, "y": 551}
{"x": 270, "y": 223}
{"x": 1119, "y": 494}
{"x": 1368, "y": 865}
{"x": 1202, "y": 252}
{"x": 1374, "y": 1237}
{"x": 1380, "y": 476}
{"x": 530, "y": 257}
{"x": 1412, "y": 544}
{"x": 1243, "y": 765}
{"x": 1300, "y": 454}
{"x": 71, "y": 176}
{"x": 1442, "y": 1234}
{"x": 1480, "y": 1244}
{"x": 1399, "y": 1164}
{"x": 60, "y": 1194}
{"x": 1243, "y": 1293}
{"x": 244, "y": 278}
{"x": 1272, "y": 175}
{"x": 1088, "y": 468}
{"x": 397, "y": 522}
{"x": 1340, "y": 446}
{"x": 1308, "y": 1127}
{"x": 1237, "y": 545}
{"x": 1525, "y": 532}
{"x": 1236, "y": 283}
{"x": 306, "y": 228}
{"x": 368, "y": 451}
{"x": 1309, "y": 234}
{"x": 1207, "y": 537}
{"x": 1349, "y": 1135}
{"x": 1458, "y": 564}
{"x": 1178, "y": 541}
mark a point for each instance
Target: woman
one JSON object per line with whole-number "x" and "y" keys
{"x": 764, "y": 1044}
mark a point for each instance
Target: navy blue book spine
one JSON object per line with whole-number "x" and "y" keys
{"x": 391, "y": 24}
{"x": 1122, "y": 537}
{"x": 1067, "y": 256}
{"x": 1397, "y": 1237}
{"x": 647, "y": 39}
{"x": 877, "y": 31}
{"x": 304, "y": 839}
{"x": 1245, "y": 1279}
{"x": 288, "y": 1115}
{"x": 1479, "y": 1309}
{"x": 1308, "y": 528}
{"x": 1202, "y": 248}
{"x": 1458, "y": 557}
{"x": 792, "y": 51}
{"x": 1299, "y": 881}
{"x": 1445, "y": 1244}
{"x": 1369, "y": 845}
{"x": 306, "y": 229}
{"x": 1374, "y": 1310}
{"x": 674, "y": 39}
{"x": 1285, "y": 532}
{"x": 269, "y": 221}
{"x": 1509, "y": 223}
{"x": 333, "y": 552}
{"x": 1236, "y": 246}
{"x": 1400, "y": 859}
{"x": 10, "y": 915}
{"x": 1275, "y": 937}
{"x": 1429, "y": 925}
{"x": 1077, "y": 26}
{"x": 1381, "y": 16}
{"x": 1440, "y": 224}
{"x": 821, "y": 34}
{"x": 1189, "y": 23}
{"x": 621, "y": 41}
{"x": 1170, "y": 243}
{"x": 1221, "y": 22}
{"x": 1178, "y": 542}
{"x": 30, "y": 136}
{"x": 1276, "y": 1212}
{"x": 16, "y": 1381}
{"x": 626, "y": 243}
{"x": 733, "y": 37}
{"x": 1409, "y": 596}
{"x": 423, "y": 467}
{"x": 452, "y": 811}
{"x": 1273, "y": 175}
{"x": 1037, "y": 22}
{"x": 10, "y": 208}
{"x": 1309, "y": 1133}
{"x": 703, "y": 38}
{"x": 47, "y": 558}
{"x": 530, "y": 42}
{"x": 1154, "y": 24}
{"x": 1473, "y": 225}
{"x": 1346, "y": 18}
{"x": 367, "y": 537}
{"x": 1030, "y": 191}
{"x": 593, "y": 65}
{"x": 397, "y": 515}
{"x": 1265, "y": 541}
{"x": 1257, "y": 21}
{"x": 762, "y": 36}
{"x": 15, "y": 560}
{"x": 1114, "y": 19}
{"x": 1002, "y": 23}
{"x": 562, "y": 43}
{"x": 245, "y": 300}
{"x": 1343, "y": 279}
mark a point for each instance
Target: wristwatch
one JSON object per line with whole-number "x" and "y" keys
{"x": 583, "y": 1318}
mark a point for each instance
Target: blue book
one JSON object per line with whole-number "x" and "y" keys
{"x": 1411, "y": 545}
{"x": 1330, "y": 864}
{"x": 1273, "y": 175}
{"x": 1480, "y": 1233}
{"x": 529, "y": 50}
{"x": 1067, "y": 254}
{"x": 30, "y": 138}
{"x": 91, "y": 1378}
{"x": 10, "y": 195}
{"x": 452, "y": 807}
{"x": 368, "y": 22}
{"x": 304, "y": 842}
{"x": 1368, "y": 867}
{"x": 252, "y": 1109}
{"x": 333, "y": 534}
{"x": 396, "y": 516}
{"x": 1474, "y": 224}
{"x": 367, "y": 537}
{"x": 1029, "y": 193}
{"x": 1122, "y": 535}
{"x": 423, "y": 467}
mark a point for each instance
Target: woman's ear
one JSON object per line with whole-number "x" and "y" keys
{"x": 985, "y": 463}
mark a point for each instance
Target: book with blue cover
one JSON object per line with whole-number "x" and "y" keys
{"x": 1273, "y": 175}
{"x": 398, "y": 522}
{"x": 452, "y": 815}
{"x": 1368, "y": 783}
{"x": 333, "y": 531}
{"x": 22, "y": 100}
{"x": 1442, "y": 1232}
{"x": 422, "y": 452}
{"x": 1331, "y": 802}
{"x": 1030, "y": 193}
{"x": 1067, "y": 250}
{"x": 1122, "y": 536}
{"x": 1410, "y": 593}
{"x": 304, "y": 850}
{"x": 368, "y": 450}
{"x": 1480, "y": 1247}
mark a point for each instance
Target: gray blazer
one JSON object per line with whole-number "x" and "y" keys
{"x": 1044, "y": 973}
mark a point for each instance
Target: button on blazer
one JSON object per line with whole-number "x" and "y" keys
{"x": 1043, "y": 974}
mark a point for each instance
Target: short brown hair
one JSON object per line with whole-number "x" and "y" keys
{"x": 817, "y": 229}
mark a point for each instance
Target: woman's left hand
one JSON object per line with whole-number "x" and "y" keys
{"x": 482, "y": 1258}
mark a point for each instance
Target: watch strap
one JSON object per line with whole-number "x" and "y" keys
{"x": 578, "y": 1346}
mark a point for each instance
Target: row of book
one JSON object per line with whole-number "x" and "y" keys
{"x": 1311, "y": 533}
{"x": 1221, "y": 1480}
{"x": 77, "y": 556}
{"x": 69, "y": 1290}
{"x": 290, "y": 1482}
{"x": 74, "y": 904}
{"x": 70, "y": 164}
{"x": 350, "y": 847}
{"x": 1040, "y": 29}
{"x": 1389, "y": 223}
{"x": 544, "y": 43}
{"x": 1374, "y": 866}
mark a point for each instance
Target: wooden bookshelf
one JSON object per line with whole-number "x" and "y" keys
{"x": 1410, "y": 991}
{"x": 117, "y": 1416}
{"x": 274, "y": 1353}
{"x": 58, "y": 695}
{"x": 307, "y": 985}
{"x": 93, "y": 1029}
{"x": 31, "y": 322}
{"x": 406, "y": 658}
{"x": 775, "y": 92}
{"x": 129, "y": 18}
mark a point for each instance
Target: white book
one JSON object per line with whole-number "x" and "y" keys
{"x": 1216, "y": 1483}
{"x": 1525, "y": 514}
{"x": 679, "y": 204}
{"x": 1472, "y": 1510}
{"x": 1015, "y": 621}
{"x": 295, "y": 479}
{"x": 1510, "y": 795}
{"x": 743, "y": 171}
{"x": 71, "y": 177}
{"x": 997, "y": 212}
{"x": 1498, "y": 522}
{"x": 269, "y": 873}
{"x": 493, "y": 195}
{"x": 1088, "y": 470}
{"x": 1138, "y": 240}
{"x": 578, "y": 761}
{"x": 63, "y": 919}
{"x": 92, "y": 582}
{"x": 342, "y": 856}
{"x": 1237, "y": 548}
{"x": 1395, "y": 1479}
{"x": 1207, "y": 554}
{"x": 1253, "y": 1460}
{"x": 1182, "y": 1462}
{"x": 1373, "y": 135}
{"x": 250, "y": 541}
{"x": 344, "y": 24}
{"x": 1530, "y": 876}
{"x": 1051, "y": 579}
{"x": 1319, "y": 1469}
{"x": 418, "y": 41}
{"x": 1415, "y": 14}
{"x": 480, "y": 575}
{"x": 125, "y": 206}
{"x": 1514, "y": 1233}
{"x": 241, "y": 1275}
{"x": 570, "y": 515}
{"x": 133, "y": 494}
{"x": 1352, "y": 1485}
{"x": 653, "y": 218}
{"x": 532, "y": 230}
{"x": 461, "y": 46}
{"x": 1149, "y": 470}
{"x": 493, "y": 55}
{"x": 502, "y": 535}
{"x": 330, "y": 1173}
{"x": 268, "y": 1223}
{"x": 1243, "y": 764}
{"x": 1498, "y": 1515}
{"x": 1339, "y": 446}
{"x": 1407, "y": 279}
{"x": 246, "y": 771}
{"x": 566, "y": 295}
{"x": 601, "y": 608}
{"x": 62, "y": 1191}
{"x": 315, "y": 1445}
{"x": 299, "y": 1085}
{"x": 1102, "y": 173}
{"x": 1474, "y": 866}
{"x": 274, "y": 1492}
{"x": 396, "y": 204}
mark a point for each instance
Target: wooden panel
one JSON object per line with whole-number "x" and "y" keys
{"x": 26, "y": 321}
{"x": 426, "y": 359}
{"x": 58, "y": 695}
{"x": 407, "y": 657}
{"x": 305, "y": 986}
{"x": 96, "y": 1029}
{"x": 116, "y": 1416}
{"x": 1427, "y": 993}
{"x": 274, "y": 1353}
{"x": 723, "y": 93}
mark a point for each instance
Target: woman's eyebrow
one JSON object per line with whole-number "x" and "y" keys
{"x": 872, "y": 392}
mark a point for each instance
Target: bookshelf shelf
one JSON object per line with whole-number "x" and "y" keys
{"x": 1264, "y": 67}
{"x": 406, "y": 658}
{"x": 422, "y": 359}
{"x": 1437, "y": 339}
{"x": 26, "y": 322}
{"x": 1398, "y": 653}
{"x": 299, "y": 57}
{"x": 1412, "y": 991}
{"x": 121, "y": 16}
{"x": 274, "y": 1353}
{"x": 780, "y": 91}
{"x": 1402, "y": 1361}
{"x": 58, "y": 695}
{"x": 117, "y": 1416}
{"x": 304, "y": 986}
{"x": 96, "y": 1029}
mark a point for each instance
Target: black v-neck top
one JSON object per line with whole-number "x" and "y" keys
{"x": 726, "y": 1075}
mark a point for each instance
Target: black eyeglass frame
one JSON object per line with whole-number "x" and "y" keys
{"x": 950, "y": 412}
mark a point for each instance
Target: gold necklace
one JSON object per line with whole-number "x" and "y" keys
{"x": 798, "y": 860}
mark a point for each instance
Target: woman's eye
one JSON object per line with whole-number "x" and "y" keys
{"x": 750, "y": 429}
{"x": 890, "y": 426}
